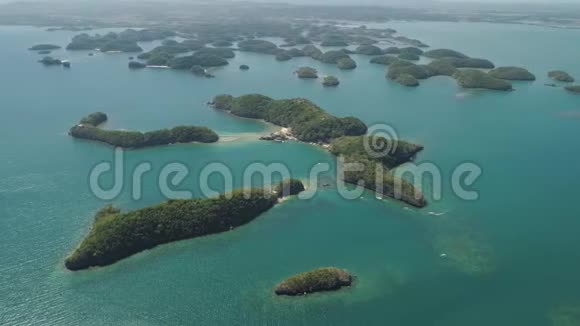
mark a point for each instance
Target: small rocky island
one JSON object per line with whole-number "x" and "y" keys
{"x": 116, "y": 235}
{"x": 244, "y": 67}
{"x": 561, "y": 76}
{"x": 318, "y": 280}
{"x": 330, "y": 81}
{"x": 88, "y": 128}
{"x": 307, "y": 73}
{"x": 471, "y": 78}
{"x": 512, "y": 73}
{"x": 44, "y": 47}
{"x": 573, "y": 89}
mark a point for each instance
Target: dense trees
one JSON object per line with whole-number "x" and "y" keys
{"x": 115, "y": 235}
{"x": 322, "y": 279}
{"x": 330, "y": 81}
{"x": 308, "y": 122}
{"x": 87, "y": 129}
{"x": 471, "y": 78}
{"x": 125, "y": 41}
{"x": 560, "y": 75}
{"x": 44, "y": 47}
{"x": 512, "y": 73}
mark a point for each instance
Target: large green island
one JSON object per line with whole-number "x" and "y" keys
{"x": 88, "y": 128}
{"x": 116, "y": 235}
{"x": 344, "y": 137}
{"x": 318, "y": 280}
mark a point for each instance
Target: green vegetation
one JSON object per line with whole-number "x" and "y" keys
{"x": 87, "y": 129}
{"x": 333, "y": 56}
{"x": 512, "y": 73}
{"x": 392, "y": 50}
{"x": 50, "y": 61}
{"x": 312, "y": 51}
{"x": 407, "y": 80}
{"x": 295, "y": 53}
{"x": 115, "y": 235}
{"x": 346, "y": 64}
{"x": 203, "y": 59}
{"x": 125, "y": 41}
{"x": 369, "y": 50}
{"x": 411, "y": 50}
{"x": 222, "y": 43}
{"x": 399, "y": 68}
{"x": 444, "y": 53}
{"x": 307, "y": 72}
{"x": 94, "y": 119}
{"x": 136, "y": 65}
{"x": 383, "y": 60}
{"x": 244, "y": 67}
{"x": 409, "y": 56}
{"x": 334, "y": 42}
{"x": 469, "y": 63}
{"x": 308, "y": 122}
{"x": 471, "y": 78}
{"x": 330, "y": 81}
{"x": 441, "y": 67}
{"x": 573, "y": 89}
{"x": 44, "y": 47}
{"x": 289, "y": 187}
{"x": 225, "y": 53}
{"x": 322, "y": 279}
{"x": 562, "y": 76}
{"x": 382, "y": 154}
{"x": 259, "y": 46}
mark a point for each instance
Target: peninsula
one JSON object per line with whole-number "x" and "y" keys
{"x": 318, "y": 280}
{"x": 116, "y": 235}
{"x": 88, "y": 128}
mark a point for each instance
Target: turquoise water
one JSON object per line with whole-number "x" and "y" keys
{"x": 526, "y": 217}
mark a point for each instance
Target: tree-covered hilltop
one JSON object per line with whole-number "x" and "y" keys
{"x": 369, "y": 50}
{"x": 471, "y": 78}
{"x": 88, "y": 129}
{"x": 203, "y": 59}
{"x": 307, "y": 72}
{"x": 309, "y": 123}
{"x": 115, "y": 235}
{"x": 346, "y": 64}
{"x": 573, "y": 89}
{"x": 125, "y": 41}
{"x": 258, "y": 46}
{"x": 389, "y": 154}
{"x": 330, "y": 81}
{"x": 383, "y": 60}
{"x": 409, "y": 57}
{"x": 444, "y": 53}
{"x": 400, "y": 68}
{"x": 512, "y": 73}
{"x": 94, "y": 119}
{"x": 50, "y": 61}
{"x": 136, "y": 65}
{"x": 407, "y": 80}
{"x": 44, "y": 47}
{"x": 441, "y": 67}
{"x": 333, "y": 56}
{"x": 321, "y": 279}
{"x": 469, "y": 63}
{"x": 561, "y": 76}
{"x": 312, "y": 51}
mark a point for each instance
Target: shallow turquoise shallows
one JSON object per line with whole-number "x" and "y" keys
{"x": 523, "y": 230}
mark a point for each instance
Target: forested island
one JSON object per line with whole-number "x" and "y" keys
{"x": 318, "y": 280}
{"x": 342, "y": 136}
{"x": 472, "y": 78}
{"x": 125, "y": 41}
{"x": 115, "y": 235}
{"x": 561, "y": 76}
{"x": 44, "y": 47}
{"x": 88, "y": 129}
{"x": 573, "y": 89}
{"x": 512, "y": 73}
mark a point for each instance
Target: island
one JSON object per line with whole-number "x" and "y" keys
{"x": 321, "y": 279}
{"x": 441, "y": 67}
{"x": 136, "y": 65}
{"x": 409, "y": 56}
{"x": 333, "y": 56}
{"x": 407, "y": 80}
{"x": 573, "y": 89}
{"x": 400, "y": 67}
{"x": 283, "y": 56}
{"x": 346, "y": 64}
{"x": 312, "y": 51}
{"x": 197, "y": 59}
{"x": 344, "y": 137}
{"x": 307, "y": 73}
{"x": 469, "y": 62}
{"x": 125, "y": 41}
{"x": 369, "y": 50}
{"x": 512, "y": 73}
{"x": 471, "y": 78}
{"x": 411, "y": 50}
{"x": 561, "y": 76}
{"x": 383, "y": 60}
{"x": 244, "y": 67}
{"x": 330, "y": 81}
{"x": 50, "y": 61}
{"x": 258, "y": 46}
{"x": 44, "y": 47}
{"x": 88, "y": 129}
{"x": 115, "y": 235}
{"x": 444, "y": 53}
